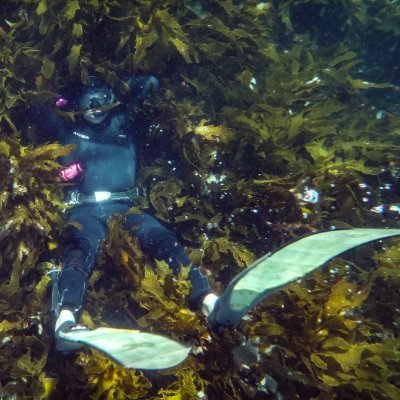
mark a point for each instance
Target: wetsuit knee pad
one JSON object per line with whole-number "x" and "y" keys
{"x": 74, "y": 269}
{"x": 72, "y": 286}
{"x": 161, "y": 243}
{"x": 78, "y": 244}
{"x": 79, "y": 252}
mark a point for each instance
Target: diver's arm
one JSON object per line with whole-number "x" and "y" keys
{"x": 49, "y": 124}
{"x": 140, "y": 88}
{"x": 143, "y": 85}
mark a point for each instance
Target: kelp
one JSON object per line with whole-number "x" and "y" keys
{"x": 110, "y": 381}
{"x": 259, "y": 103}
{"x": 335, "y": 342}
{"x": 188, "y": 386}
{"x": 31, "y": 218}
{"x": 165, "y": 299}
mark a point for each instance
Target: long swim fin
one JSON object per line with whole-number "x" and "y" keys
{"x": 132, "y": 348}
{"x": 294, "y": 261}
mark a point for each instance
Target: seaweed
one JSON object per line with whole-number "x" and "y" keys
{"x": 338, "y": 345}
{"x": 259, "y": 103}
{"x": 111, "y": 381}
{"x": 31, "y": 219}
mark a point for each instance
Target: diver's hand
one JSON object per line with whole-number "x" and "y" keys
{"x": 152, "y": 84}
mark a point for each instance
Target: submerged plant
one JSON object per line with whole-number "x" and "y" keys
{"x": 257, "y": 108}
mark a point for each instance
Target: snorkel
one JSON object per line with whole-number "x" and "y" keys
{"x": 95, "y": 102}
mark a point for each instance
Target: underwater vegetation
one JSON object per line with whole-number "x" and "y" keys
{"x": 274, "y": 119}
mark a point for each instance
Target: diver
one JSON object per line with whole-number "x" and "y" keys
{"x": 101, "y": 176}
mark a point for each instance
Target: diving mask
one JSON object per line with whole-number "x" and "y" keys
{"x": 95, "y": 103}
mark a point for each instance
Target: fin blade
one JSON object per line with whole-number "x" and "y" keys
{"x": 293, "y": 261}
{"x": 132, "y": 348}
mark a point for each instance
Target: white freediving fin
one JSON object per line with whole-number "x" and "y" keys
{"x": 132, "y": 348}
{"x": 294, "y": 261}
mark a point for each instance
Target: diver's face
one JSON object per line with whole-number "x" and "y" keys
{"x": 94, "y": 98}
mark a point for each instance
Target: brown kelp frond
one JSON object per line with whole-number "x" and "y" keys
{"x": 188, "y": 385}
{"x": 165, "y": 299}
{"x": 31, "y": 223}
{"x": 273, "y": 120}
{"x": 31, "y": 194}
{"x": 108, "y": 380}
{"x": 321, "y": 333}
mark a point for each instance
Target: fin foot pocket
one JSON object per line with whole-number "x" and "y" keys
{"x": 63, "y": 344}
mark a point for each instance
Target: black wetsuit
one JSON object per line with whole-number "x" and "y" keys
{"x": 107, "y": 153}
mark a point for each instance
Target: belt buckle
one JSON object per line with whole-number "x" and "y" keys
{"x": 102, "y": 196}
{"x": 139, "y": 191}
{"x": 72, "y": 197}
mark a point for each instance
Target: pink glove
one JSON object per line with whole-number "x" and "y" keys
{"x": 69, "y": 173}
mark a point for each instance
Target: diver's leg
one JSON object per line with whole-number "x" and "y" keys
{"x": 79, "y": 254}
{"x": 161, "y": 243}
{"x": 80, "y": 251}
